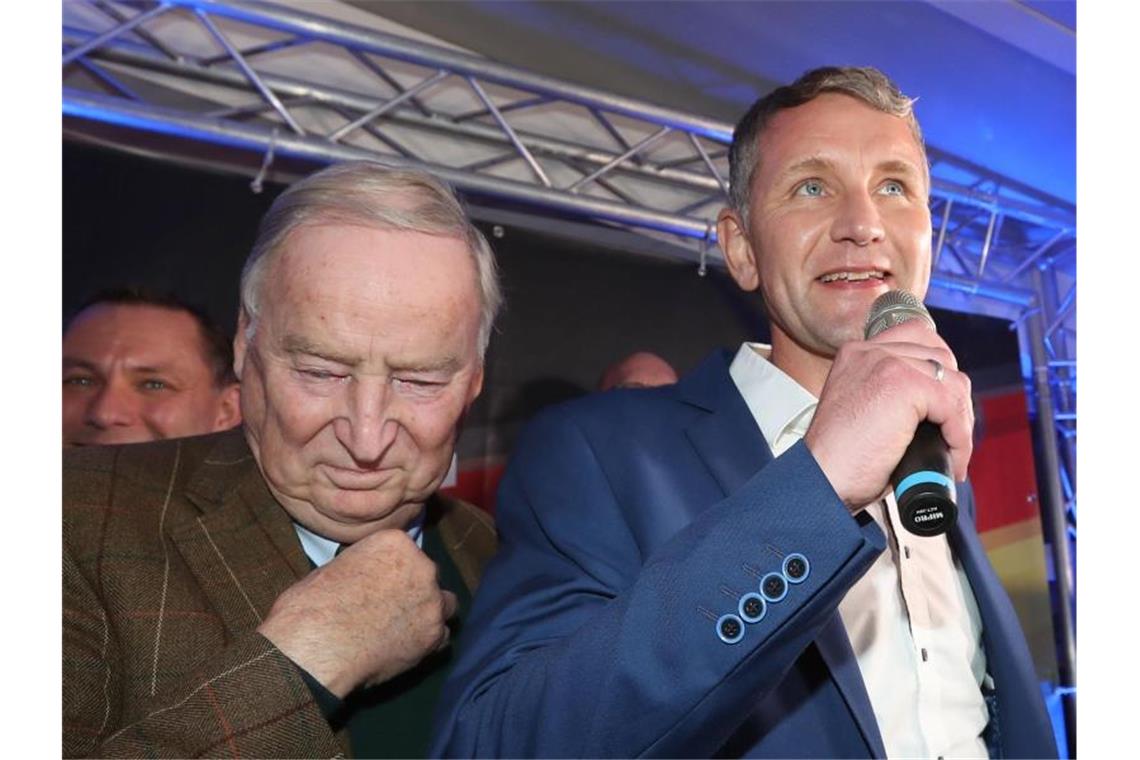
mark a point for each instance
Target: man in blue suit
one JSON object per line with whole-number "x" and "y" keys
{"x": 717, "y": 567}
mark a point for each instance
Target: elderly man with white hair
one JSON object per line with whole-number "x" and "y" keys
{"x": 208, "y": 606}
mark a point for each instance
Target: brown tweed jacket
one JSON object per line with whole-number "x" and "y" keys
{"x": 173, "y": 553}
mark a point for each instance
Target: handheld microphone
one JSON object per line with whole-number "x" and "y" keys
{"x": 924, "y": 478}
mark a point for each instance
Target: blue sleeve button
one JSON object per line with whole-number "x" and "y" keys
{"x": 796, "y": 568}
{"x": 752, "y": 607}
{"x": 730, "y": 629}
{"x": 773, "y": 587}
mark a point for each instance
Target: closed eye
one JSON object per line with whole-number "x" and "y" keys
{"x": 79, "y": 381}
{"x": 320, "y": 374}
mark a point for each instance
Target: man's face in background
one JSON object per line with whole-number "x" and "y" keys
{"x": 136, "y": 372}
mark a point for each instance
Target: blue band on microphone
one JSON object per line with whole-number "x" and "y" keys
{"x": 925, "y": 476}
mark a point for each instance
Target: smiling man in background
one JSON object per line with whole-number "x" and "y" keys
{"x": 141, "y": 366}
{"x": 208, "y": 606}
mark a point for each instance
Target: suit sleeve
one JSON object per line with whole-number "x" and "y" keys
{"x": 248, "y": 700}
{"x": 580, "y": 646}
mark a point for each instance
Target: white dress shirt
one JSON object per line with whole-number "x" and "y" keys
{"x": 912, "y": 619}
{"x": 321, "y": 550}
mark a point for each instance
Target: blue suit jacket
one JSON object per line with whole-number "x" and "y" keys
{"x": 629, "y": 523}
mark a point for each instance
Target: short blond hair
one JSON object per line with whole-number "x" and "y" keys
{"x": 864, "y": 83}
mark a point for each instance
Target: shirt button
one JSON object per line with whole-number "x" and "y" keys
{"x": 924, "y": 654}
{"x": 906, "y": 551}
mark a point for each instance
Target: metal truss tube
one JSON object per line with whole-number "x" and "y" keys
{"x": 509, "y": 131}
{"x": 1035, "y": 255}
{"x": 434, "y": 56}
{"x": 1053, "y": 504}
{"x": 111, "y": 34}
{"x": 947, "y": 205}
{"x": 250, "y": 74}
{"x": 106, "y": 78}
{"x": 101, "y": 108}
{"x": 708, "y": 163}
{"x": 988, "y": 242}
{"x": 1026, "y": 212}
{"x": 633, "y": 151}
{"x": 1016, "y": 296}
{"x": 112, "y": 110}
{"x": 153, "y": 41}
{"x": 384, "y": 108}
{"x": 295, "y": 89}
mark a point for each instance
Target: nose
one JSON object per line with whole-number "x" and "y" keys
{"x": 858, "y": 220}
{"x": 115, "y": 405}
{"x": 367, "y": 429}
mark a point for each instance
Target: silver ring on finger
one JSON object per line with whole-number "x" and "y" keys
{"x": 939, "y": 370}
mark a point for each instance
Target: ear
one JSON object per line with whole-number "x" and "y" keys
{"x": 737, "y": 249}
{"x": 476, "y": 386}
{"x": 229, "y": 408}
{"x": 240, "y": 343}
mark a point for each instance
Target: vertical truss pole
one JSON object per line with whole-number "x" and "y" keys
{"x": 111, "y": 34}
{"x": 942, "y": 231}
{"x": 994, "y": 217}
{"x": 1053, "y": 505}
{"x": 250, "y": 74}
{"x": 514, "y": 138}
{"x": 1063, "y": 401}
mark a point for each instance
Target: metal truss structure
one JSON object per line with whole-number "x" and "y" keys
{"x": 266, "y": 78}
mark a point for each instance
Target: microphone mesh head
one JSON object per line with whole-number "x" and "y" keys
{"x": 893, "y": 308}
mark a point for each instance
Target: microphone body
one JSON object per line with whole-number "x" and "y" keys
{"x": 923, "y": 481}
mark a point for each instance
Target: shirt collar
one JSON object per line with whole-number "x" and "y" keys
{"x": 778, "y": 403}
{"x": 321, "y": 550}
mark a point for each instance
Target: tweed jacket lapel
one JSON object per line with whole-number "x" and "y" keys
{"x": 225, "y": 544}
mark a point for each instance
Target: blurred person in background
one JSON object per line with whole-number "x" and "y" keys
{"x": 142, "y": 366}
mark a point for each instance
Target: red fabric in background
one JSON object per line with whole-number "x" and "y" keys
{"x": 1001, "y": 469}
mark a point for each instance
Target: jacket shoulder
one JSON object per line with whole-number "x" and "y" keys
{"x": 129, "y": 485}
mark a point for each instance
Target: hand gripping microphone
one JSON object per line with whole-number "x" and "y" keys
{"x": 923, "y": 480}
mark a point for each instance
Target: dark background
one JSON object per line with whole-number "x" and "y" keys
{"x": 572, "y": 308}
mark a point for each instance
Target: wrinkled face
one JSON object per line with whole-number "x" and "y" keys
{"x": 839, "y": 215}
{"x": 134, "y": 373}
{"x": 363, "y": 360}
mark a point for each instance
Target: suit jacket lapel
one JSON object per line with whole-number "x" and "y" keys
{"x": 835, "y": 648}
{"x": 726, "y": 439}
{"x": 730, "y": 444}
{"x": 225, "y": 545}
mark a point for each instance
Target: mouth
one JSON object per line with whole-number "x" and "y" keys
{"x": 855, "y": 277}
{"x": 358, "y": 480}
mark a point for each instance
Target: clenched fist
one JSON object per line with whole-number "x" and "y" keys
{"x": 371, "y": 613}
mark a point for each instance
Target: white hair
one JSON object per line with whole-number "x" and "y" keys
{"x": 373, "y": 195}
